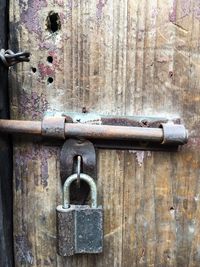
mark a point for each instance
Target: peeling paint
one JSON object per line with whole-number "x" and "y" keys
{"x": 30, "y": 16}
{"x": 99, "y": 11}
{"x": 172, "y": 14}
{"x": 59, "y": 2}
{"x": 154, "y": 13}
{"x": 45, "y": 70}
{"x": 140, "y": 155}
{"x": 191, "y": 229}
{"x": 197, "y": 10}
{"x": 172, "y": 212}
{"x": 69, "y": 4}
{"x": 87, "y": 118}
{"x": 49, "y": 45}
{"x": 186, "y": 9}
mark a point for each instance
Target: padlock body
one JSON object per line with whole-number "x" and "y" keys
{"x": 79, "y": 230}
{"x": 89, "y": 230}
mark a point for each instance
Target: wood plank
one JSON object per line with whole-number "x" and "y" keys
{"x": 112, "y": 57}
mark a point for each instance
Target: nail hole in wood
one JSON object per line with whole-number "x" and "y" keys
{"x": 50, "y": 59}
{"x": 84, "y": 110}
{"x": 50, "y": 80}
{"x": 33, "y": 70}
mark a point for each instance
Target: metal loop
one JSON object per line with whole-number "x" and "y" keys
{"x": 9, "y": 58}
{"x": 87, "y": 179}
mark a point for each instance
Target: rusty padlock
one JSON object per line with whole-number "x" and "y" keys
{"x": 79, "y": 227}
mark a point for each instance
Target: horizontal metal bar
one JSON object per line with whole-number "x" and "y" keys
{"x": 113, "y": 132}
{"x": 21, "y": 127}
{"x": 101, "y": 132}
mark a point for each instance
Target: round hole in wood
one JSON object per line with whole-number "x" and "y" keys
{"x": 53, "y": 22}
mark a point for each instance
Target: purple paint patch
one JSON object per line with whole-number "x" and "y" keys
{"x": 37, "y": 153}
{"x": 47, "y": 45}
{"x": 154, "y": 13}
{"x": 185, "y": 8}
{"x": 32, "y": 105}
{"x": 100, "y": 5}
{"x": 56, "y": 61}
{"x": 69, "y": 4}
{"x": 197, "y": 9}
{"x": 30, "y": 16}
{"x": 45, "y": 70}
{"x": 59, "y": 2}
{"x": 172, "y": 15}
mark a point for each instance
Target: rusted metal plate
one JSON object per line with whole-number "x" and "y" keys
{"x": 100, "y": 119}
{"x": 69, "y": 152}
{"x": 71, "y": 149}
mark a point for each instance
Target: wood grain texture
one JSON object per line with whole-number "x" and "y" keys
{"x": 113, "y": 57}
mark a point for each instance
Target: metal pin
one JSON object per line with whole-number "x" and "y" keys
{"x": 78, "y": 171}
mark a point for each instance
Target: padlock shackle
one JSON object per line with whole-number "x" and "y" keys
{"x": 66, "y": 189}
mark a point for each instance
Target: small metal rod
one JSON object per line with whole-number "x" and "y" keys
{"x": 176, "y": 135}
{"x": 78, "y": 171}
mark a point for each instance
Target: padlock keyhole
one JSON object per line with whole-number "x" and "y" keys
{"x": 79, "y": 195}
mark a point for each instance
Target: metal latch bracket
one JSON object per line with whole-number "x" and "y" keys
{"x": 110, "y": 132}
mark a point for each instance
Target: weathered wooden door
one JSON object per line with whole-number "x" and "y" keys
{"x": 118, "y": 57}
